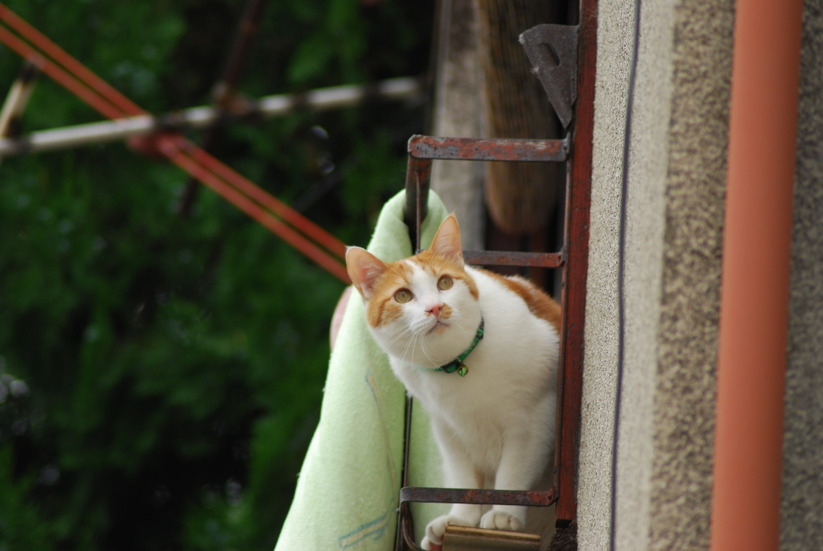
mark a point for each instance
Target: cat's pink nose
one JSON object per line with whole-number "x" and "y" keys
{"x": 435, "y": 310}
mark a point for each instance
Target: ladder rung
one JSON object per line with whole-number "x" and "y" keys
{"x": 514, "y": 258}
{"x": 483, "y": 149}
{"x": 527, "y": 498}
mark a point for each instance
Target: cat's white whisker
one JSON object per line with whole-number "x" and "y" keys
{"x": 424, "y": 349}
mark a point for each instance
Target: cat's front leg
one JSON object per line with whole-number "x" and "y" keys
{"x": 459, "y": 472}
{"x": 523, "y": 463}
{"x": 460, "y": 514}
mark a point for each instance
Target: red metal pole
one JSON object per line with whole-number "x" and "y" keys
{"x": 60, "y": 75}
{"x": 287, "y": 213}
{"x": 755, "y": 286}
{"x": 171, "y": 148}
{"x": 59, "y": 55}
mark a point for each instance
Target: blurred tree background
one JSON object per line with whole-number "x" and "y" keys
{"x": 160, "y": 374}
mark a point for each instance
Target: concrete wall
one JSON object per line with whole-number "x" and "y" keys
{"x": 675, "y": 209}
{"x": 674, "y": 235}
{"x": 684, "y": 412}
{"x": 597, "y": 408}
{"x": 802, "y": 502}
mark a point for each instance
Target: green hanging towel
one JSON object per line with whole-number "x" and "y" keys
{"x": 347, "y": 491}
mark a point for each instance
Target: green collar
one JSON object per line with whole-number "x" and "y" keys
{"x": 457, "y": 363}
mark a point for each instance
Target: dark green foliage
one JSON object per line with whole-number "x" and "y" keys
{"x": 160, "y": 374}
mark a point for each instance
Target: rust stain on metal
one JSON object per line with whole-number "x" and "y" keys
{"x": 476, "y": 149}
{"x": 526, "y": 498}
{"x": 514, "y": 258}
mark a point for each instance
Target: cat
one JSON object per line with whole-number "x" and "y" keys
{"x": 479, "y": 351}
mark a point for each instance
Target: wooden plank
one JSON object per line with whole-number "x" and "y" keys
{"x": 461, "y": 538}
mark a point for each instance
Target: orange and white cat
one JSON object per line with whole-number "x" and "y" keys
{"x": 479, "y": 351}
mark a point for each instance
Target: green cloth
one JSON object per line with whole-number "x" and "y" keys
{"x": 347, "y": 491}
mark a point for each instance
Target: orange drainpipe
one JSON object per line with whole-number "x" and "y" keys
{"x": 755, "y": 286}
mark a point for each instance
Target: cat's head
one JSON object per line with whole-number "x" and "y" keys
{"x": 424, "y": 308}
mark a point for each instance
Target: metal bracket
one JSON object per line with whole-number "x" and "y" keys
{"x": 552, "y": 51}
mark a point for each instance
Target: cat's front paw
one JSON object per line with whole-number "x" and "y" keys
{"x": 501, "y": 520}
{"x": 437, "y": 528}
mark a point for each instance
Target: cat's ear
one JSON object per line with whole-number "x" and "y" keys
{"x": 364, "y": 268}
{"x": 447, "y": 240}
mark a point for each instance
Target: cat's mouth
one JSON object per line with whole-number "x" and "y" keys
{"x": 438, "y": 327}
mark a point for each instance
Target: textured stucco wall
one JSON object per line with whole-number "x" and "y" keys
{"x": 684, "y": 412}
{"x": 643, "y": 270}
{"x": 597, "y": 407}
{"x": 673, "y": 259}
{"x": 802, "y": 500}
{"x": 674, "y": 234}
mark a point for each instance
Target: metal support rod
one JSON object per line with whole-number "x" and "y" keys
{"x": 18, "y": 98}
{"x": 199, "y": 117}
{"x": 224, "y": 89}
{"x": 418, "y": 175}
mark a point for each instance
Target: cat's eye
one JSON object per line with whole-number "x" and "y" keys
{"x": 445, "y": 282}
{"x": 402, "y": 295}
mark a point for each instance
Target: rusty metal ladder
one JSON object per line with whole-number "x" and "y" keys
{"x": 575, "y": 46}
